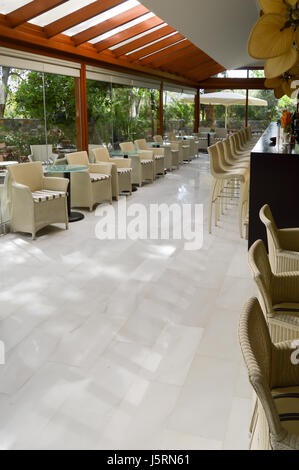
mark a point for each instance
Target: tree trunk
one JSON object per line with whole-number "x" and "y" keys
{"x": 153, "y": 110}
{"x": 5, "y": 77}
{"x": 210, "y": 113}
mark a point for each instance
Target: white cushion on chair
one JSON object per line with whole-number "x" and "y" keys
{"x": 124, "y": 170}
{"x": 98, "y": 177}
{"x": 146, "y": 162}
{"x": 47, "y": 195}
{"x": 159, "y": 157}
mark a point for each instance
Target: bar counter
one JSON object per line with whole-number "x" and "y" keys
{"x": 274, "y": 180}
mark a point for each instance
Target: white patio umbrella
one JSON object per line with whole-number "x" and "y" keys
{"x": 228, "y": 98}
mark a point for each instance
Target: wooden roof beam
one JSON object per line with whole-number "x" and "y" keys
{"x": 170, "y": 50}
{"x": 31, "y": 38}
{"x": 233, "y": 83}
{"x": 205, "y": 69}
{"x": 168, "y": 54}
{"x": 129, "y": 33}
{"x": 31, "y": 10}
{"x": 155, "y": 47}
{"x": 180, "y": 58}
{"x": 154, "y": 36}
{"x": 119, "y": 20}
{"x": 78, "y": 16}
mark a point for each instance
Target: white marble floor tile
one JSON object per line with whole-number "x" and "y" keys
{"x": 220, "y": 338}
{"x": 32, "y": 407}
{"x": 125, "y": 344}
{"x": 209, "y": 387}
{"x": 171, "y": 440}
{"x": 143, "y": 412}
{"x": 237, "y": 434}
{"x": 82, "y": 346}
{"x": 176, "y": 348}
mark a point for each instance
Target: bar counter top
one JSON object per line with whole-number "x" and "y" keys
{"x": 265, "y": 146}
{"x": 274, "y": 180}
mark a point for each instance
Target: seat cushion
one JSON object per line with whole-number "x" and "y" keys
{"x": 159, "y": 157}
{"x": 47, "y": 195}
{"x": 287, "y": 404}
{"x": 287, "y": 312}
{"x": 98, "y": 177}
{"x": 124, "y": 170}
{"x": 146, "y": 162}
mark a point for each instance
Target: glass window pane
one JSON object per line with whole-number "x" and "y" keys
{"x": 22, "y": 120}
{"x": 178, "y": 113}
{"x": 260, "y": 117}
{"x": 99, "y": 109}
{"x": 256, "y": 74}
{"x": 134, "y": 113}
{"x": 60, "y": 112}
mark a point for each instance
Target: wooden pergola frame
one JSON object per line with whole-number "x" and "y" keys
{"x": 165, "y": 54}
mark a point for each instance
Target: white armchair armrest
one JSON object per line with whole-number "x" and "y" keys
{"x": 146, "y": 155}
{"x": 289, "y": 239}
{"x": 104, "y": 168}
{"x": 121, "y": 162}
{"x": 21, "y": 195}
{"x": 55, "y": 184}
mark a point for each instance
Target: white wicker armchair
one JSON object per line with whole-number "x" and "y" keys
{"x": 274, "y": 378}
{"x": 37, "y": 201}
{"x": 279, "y": 294}
{"x": 158, "y": 156}
{"x": 142, "y": 164}
{"x": 42, "y": 153}
{"x": 121, "y": 170}
{"x": 92, "y": 187}
{"x": 283, "y": 244}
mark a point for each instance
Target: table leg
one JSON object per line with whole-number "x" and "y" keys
{"x": 209, "y": 140}
{"x": 73, "y": 216}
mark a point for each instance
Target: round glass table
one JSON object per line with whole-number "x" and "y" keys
{"x": 67, "y": 170}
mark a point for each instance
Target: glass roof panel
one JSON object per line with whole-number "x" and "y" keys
{"x": 107, "y": 15}
{"x": 139, "y": 36}
{"x": 60, "y": 11}
{"x": 122, "y": 28}
{"x": 7, "y": 6}
{"x": 151, "y": 43}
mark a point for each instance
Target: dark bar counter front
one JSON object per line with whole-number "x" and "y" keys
{"x": 274, "y": 180}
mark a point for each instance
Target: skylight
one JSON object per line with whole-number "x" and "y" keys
{"x": 119, "y": 29}
{"x": 107, "y": 15}
{"x": 60, "y": 11}
{"x": 139, "y": 36}
{"x": 7, "y": 6}
{"x": 152, "y": 43}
